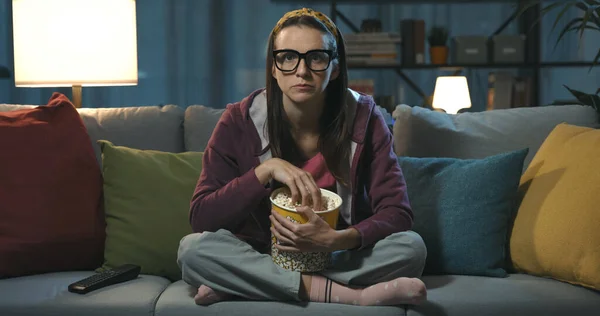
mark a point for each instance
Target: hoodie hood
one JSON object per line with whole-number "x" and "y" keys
{"x": 254, "y": 107}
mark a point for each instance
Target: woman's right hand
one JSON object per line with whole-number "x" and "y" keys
{"x": 300, "y": 182}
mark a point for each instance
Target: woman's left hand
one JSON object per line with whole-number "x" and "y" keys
{"x": 313, "y": 236}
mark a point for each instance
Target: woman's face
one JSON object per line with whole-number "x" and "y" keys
{"x": 303, "y": 85}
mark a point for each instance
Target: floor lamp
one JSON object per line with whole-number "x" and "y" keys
{"x": 74, "y": 43}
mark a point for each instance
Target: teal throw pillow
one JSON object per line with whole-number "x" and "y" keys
{"x": 463, "y": 209}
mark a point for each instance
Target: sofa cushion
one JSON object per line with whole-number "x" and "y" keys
{"x": 50, "y": 192}
{"x": 147, "y": 197}
{"x": 463, "y": 209}
{"x": 13, "y": 107}
{"x": 516, "y": 295}
{"x": 145, "y": 127}
{"x": 419, "y": 132}
{"x": 557, "y": 228}
{"x": 47, "y": 294}
{"x": 198, "y": 126}
{"x": 177, "y": 300}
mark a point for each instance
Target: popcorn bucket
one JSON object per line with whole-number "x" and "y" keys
{"x": 303, "y": 261}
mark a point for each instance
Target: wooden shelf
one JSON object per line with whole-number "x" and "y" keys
{"x": 567, "y": 64}
{"x": 4, "y": 73}
{"x": 479, "y": 66}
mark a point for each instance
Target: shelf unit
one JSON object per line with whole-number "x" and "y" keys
{"x": 527, "y": 25}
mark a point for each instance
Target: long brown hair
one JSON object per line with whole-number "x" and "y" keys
{"x": 334, "y": 139}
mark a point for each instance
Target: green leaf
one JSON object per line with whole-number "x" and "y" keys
{"x": 586, "y": 18}
{"x": 568, "y": 28}
{"x": 595, "y": 101}
{"x": 596, "y": 16}
{"x": 553, "y": 6}
{"x": 526, "y": 6}
{"x": 562, "y": 12}
{"x": 582, "y": 6}
{"x": 576, "y": 93}
{"x": 576, "y": 28}
{"x": 597, "y": 58}
{"x": 592, "y": 5}
{"x": 586, "y": 99}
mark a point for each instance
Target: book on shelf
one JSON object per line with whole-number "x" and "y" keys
{"x": 366, "y": 86}
{"x": 382, "y": 52}
{"x": 372, "y": 61}
{"x": 522, "y": 89}
{"x": 385, "y": 103}
{"x": 372, "y": 48}
{"x": 372, "y": 38}
{"x": 507, "y": 91}
{"x": 413, "y": 41}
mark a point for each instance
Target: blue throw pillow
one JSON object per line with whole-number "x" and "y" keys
{"x": 463, "y": 209}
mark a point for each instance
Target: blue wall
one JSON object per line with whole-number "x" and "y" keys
{"x": 211, "y": 52}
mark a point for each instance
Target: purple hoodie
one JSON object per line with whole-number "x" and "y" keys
{"x": 228, "y": 194}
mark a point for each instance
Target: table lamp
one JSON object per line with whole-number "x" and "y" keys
{"x": 74, "y": 43}
{"x": 451, "y": 94}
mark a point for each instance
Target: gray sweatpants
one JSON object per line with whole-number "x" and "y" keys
{"x": 223, "y": 262}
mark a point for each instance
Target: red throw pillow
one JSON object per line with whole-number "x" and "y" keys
{"x": 51, "y": 216}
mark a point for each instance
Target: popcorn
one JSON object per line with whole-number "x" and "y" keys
{"x": 284, "y": 199}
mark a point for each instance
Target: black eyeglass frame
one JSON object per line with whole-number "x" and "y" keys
{"x": 332, "y": 55}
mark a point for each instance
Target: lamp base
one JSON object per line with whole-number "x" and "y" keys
{"x": 427, "y": 102}
{"x": 76, "y": 96}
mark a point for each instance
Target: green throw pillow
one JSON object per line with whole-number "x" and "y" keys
{"x": 147, "y": 198}
{"x": 463, "y": 209}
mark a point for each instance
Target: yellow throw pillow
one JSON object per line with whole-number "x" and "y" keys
{"x": 556, "y": 232}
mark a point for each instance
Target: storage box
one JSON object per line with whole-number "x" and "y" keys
{"x": 508, "y": 48}
{"x": 470, "y": 50}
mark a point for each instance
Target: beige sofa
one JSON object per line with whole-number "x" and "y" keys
{"x": 418, "y": 132}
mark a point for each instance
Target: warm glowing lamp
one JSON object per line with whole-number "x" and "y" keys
{"x": 451, "y": 94}
{"x": 74, "y": 43}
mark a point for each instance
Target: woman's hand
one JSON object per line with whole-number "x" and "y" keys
{"x": 300, "y": 182}
{"x": 313, "y": 236}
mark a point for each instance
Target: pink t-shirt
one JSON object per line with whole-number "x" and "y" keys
{"x": 317, "y": 167}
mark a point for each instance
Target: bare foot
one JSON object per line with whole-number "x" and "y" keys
{"x": 207, "y": 296}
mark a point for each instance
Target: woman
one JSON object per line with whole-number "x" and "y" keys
{"x": 306, "y": 130}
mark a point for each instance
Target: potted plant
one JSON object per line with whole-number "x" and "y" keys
{"x": 589, "y": 20}
{"x": 438, "y": 45}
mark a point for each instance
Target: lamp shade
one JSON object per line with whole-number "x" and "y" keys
{"x": 451, "y": 94}
{"x": 74, "y": 42}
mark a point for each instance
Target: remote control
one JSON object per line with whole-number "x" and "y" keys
{"x": 119, "y": 274}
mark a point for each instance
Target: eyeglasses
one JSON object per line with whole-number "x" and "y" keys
{"x": 288, "y": 60}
